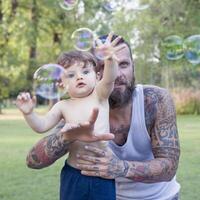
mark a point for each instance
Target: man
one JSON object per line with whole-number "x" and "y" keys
{"x": 145, "y": 149}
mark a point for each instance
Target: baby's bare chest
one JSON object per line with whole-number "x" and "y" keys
{"x": 81, "y": 111}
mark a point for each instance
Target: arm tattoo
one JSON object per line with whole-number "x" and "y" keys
{"x": 117, "y": 168}
{"x": 160, "y": 118}
{"x": 47, "y": 151}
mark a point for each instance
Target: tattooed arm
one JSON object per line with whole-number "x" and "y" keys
{"x": 51, "y": 148}
{"x": 160, "y": 119}
{"x": 160, "y": 116}
{"x": 47, "y": 150}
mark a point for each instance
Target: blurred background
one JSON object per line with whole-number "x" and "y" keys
{"x": 165, "y": 38}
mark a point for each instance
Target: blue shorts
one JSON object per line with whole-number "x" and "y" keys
{"x": 75, "y": 186}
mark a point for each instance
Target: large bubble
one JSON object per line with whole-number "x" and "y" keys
{"x": 67, "y": 4}
{"x": 173, "y": 47}
{"x": 83, "y": 39}
{"x": 46, "y": 81}
{"x": 192, "y": 49}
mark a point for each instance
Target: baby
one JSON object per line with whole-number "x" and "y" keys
{"x": 87, "y": 91}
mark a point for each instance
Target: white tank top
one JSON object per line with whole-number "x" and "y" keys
{"x": 138, "y": 148}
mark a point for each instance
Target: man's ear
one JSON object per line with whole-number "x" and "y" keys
{"x": 98, "y": 76}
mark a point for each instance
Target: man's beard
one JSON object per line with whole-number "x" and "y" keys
{"x": 120, "y": 98}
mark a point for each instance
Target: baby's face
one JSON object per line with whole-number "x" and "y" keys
{"x": 79, "y": 79}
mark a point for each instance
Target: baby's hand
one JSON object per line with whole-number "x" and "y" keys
{"x": 25, "y": 103}
{"x": 108, "y": 48}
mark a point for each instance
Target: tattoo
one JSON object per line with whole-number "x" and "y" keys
{"x": 117, "y": 168}
{"x": 47, "y": 151}
{"x": 160, "y": 119}
{"x": 55, "y": 146}
{"x": 121, "y": 134}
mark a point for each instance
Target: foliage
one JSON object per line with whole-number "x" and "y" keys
{"x": 187, "y": 101}
{"x": 33, "y": 33}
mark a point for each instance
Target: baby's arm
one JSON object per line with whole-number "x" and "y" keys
{"x": 106, "y": 85}
{"x": 38, "y": 123}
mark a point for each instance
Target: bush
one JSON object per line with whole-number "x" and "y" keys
{"x": 187, "y": 101}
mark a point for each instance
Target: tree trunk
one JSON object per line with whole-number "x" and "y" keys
{"x": 33, "y": 45}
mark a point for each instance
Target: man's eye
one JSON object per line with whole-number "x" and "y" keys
{"x": 124, "y": 65}
{"x": 86, "y": 72}
{"x": 70, "y": 75}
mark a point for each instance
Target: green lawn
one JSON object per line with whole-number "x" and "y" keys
{"x": 17, "y": 182}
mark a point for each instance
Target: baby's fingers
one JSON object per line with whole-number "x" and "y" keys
{"x": 115, "y": 41}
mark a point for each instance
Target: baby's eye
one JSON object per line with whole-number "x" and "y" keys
{"x": 70, "y": 75}
{"x": 86, "y": 72}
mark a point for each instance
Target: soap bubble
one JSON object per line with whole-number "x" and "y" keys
{"x": 46, "y": 81}
{"x": 83, "y": 39}
{"x": 174, "y": 47}
{"x": 67, "y": 4}
{"x": 192, "y": 49}
{"x": 110, "y": 6}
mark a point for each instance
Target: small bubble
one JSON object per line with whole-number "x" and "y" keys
{"x": 83, "y": 39}
{"x": 173, "y": 47}
{"x": 67, "y": 4}
{"x": 192, "y": 49}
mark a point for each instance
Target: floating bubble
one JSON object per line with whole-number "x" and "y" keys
{"x": 192, "y": 49}
{"x": 46, "y": 81}
{"x": 110, "y": 6}
{"x": 174, "y": 47}
{"x": 83, "y": 39}
{"x": 67, "y": 4}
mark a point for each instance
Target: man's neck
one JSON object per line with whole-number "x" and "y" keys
{"x": 121, "y": 113}
{"x": 120, "y": 119}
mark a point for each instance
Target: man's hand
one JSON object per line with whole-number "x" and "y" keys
{"x": 105, "y": 164}
{"x": 84, "y": 131}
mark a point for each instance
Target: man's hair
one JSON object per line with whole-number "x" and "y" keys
{"x": 67, "y": 59}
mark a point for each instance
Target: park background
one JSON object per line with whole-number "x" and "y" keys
{"x": 35, "y": 32}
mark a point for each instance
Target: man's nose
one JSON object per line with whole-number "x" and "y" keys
{"x": 119, "y": 72}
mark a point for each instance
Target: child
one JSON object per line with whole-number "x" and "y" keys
{"x": 86, "y": 92}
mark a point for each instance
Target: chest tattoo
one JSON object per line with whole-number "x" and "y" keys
{"x": 121, "y": 133}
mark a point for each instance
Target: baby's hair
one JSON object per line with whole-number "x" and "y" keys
{"x": 67, "y": 59}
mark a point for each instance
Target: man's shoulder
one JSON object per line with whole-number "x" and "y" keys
{"x": 154, "y": 88}
{"x": 154, "y": 91}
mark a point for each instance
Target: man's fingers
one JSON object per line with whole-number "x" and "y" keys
{"x": 96, "y": 160}
{"x": 95, "y": 150}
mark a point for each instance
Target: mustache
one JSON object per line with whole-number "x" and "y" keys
{"x": 120, "y": 81}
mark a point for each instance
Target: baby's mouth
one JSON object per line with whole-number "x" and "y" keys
{"x": 80, "y": 85}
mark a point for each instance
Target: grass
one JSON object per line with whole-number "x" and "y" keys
{"x": 17, "y": 182}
